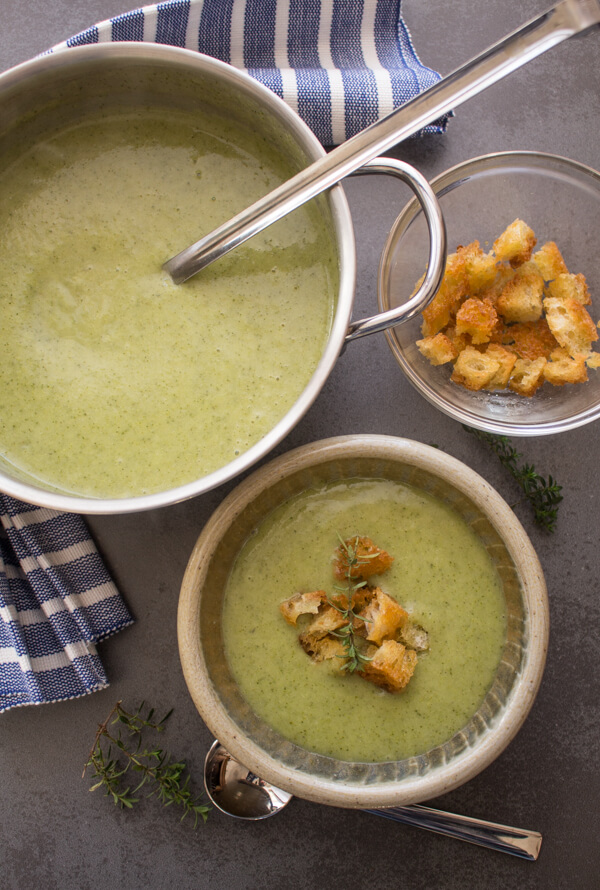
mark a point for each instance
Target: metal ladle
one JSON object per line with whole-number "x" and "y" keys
{"x": 566, "y": 19}
{"x": 238, "y": 792}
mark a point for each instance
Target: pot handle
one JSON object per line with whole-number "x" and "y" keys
{"x": 437, "y": 249}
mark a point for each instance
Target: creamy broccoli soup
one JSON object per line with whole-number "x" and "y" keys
{"x": 441, "y": 574}
{"x": 113, "y": 381}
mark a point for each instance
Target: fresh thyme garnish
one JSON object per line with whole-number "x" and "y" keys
{"x": 543, "y": 495}
{"x": 154, "y": 766}
{"x": 354, "y": 658}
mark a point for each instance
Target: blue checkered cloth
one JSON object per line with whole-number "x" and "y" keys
{"x": 340, "y": 64}
{"x": 57, "y": 601}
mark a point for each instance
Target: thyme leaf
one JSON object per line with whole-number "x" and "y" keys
{"x": 544, "y": 495}
{"x": 354, "y": 659}
{"x": 120, "y": 752}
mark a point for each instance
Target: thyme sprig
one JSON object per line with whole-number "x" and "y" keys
{"x": 353, "y": 657}
{"x": 165, "y": 778}
{"x": 544, "y": 495}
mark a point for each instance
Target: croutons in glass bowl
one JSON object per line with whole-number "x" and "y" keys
{"x": 508, "y": 343}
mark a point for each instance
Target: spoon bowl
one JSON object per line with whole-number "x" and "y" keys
{"x": 237, "y": 791}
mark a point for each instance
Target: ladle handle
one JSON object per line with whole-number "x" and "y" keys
{"x": 503, "y": 838}
{"x": 564, "y": 20}
{"x": 437, "y": 249}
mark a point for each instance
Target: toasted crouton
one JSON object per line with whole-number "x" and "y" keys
{"x": 371, "y": 559}
{"x": 593, "y": 360}
{"x": 322, "y": 648}
{"x": 382, "y": 616}
{"x": 302, "y": 604}
{"x": 515, "y": 243}
{"x": 391, "y": 666}
{"x": 530, "y": 340}
{"x": 459, "y": 341}
{"x": 474, "y": 370}
{"x": 413, "y": 636}
{"x": 571, "y": 324}
{"x": 504, "y": 273}
{"x": 563, "y": 368}
{"x": 438, "y": 313}
{"x": 568, "y": 286}
{"x": 549, "y": 261}
{"x": 443, "y": 307}
{"x": 477, "y": 318}
{"x": 527, "y": 376}
{"x": 327, "y": 620}
{"x": 521, "y": 298}
{"x": 437, "y": 350}
{"x": 480, "y": 267}
{"x": 506, "y": 360}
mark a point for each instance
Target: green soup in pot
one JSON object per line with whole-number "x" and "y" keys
{"x": 114, "y": 382}
{"x": 442, "y": 574}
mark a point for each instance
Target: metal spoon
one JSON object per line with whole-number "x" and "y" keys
{"x": 564, "y": 20}
{"x": 238, "y": 792}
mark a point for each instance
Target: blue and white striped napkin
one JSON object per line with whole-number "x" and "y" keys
{"x": 340, "y": 64}
{"x": 57, "y": 601}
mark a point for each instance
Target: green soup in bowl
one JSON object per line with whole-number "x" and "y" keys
{"x": 442, "y": 575}
{"x": 463, "y": 568}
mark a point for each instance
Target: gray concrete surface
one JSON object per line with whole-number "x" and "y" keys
{"x": 54, "y": 835}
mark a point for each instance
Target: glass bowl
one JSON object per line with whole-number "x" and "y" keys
{"x": 316, "y": 777}
{"x": 560, "y": 200}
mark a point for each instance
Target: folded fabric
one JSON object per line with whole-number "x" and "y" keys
{"x": 340, "y": 64}
{"x": 57, "y": 601}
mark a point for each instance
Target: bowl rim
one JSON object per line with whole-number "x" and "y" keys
{"x": 20, "y": 78}
{"x": 474, "y": 758}
{"x": 443, "y": 182}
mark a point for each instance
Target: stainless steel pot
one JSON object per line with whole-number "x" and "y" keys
{"x": 63, "y": 87}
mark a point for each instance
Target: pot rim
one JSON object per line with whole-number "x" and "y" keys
{"x": 162, "y": 54}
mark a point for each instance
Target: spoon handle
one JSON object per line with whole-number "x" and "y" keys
{"x": 516, "y": 841}
{"x": 567, "y": 18}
